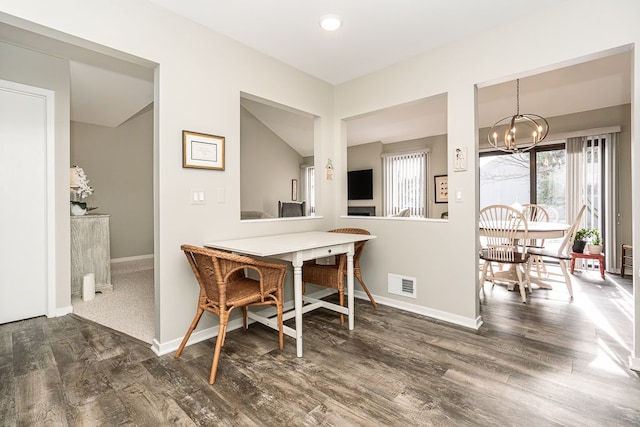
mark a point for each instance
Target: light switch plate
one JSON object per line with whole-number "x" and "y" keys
{"x": 198, "y": 197}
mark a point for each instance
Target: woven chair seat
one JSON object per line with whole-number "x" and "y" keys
{"x": 332, "y": 276}
{"x": 225, "y": 284}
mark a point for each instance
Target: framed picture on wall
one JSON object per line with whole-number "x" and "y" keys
{"x": 202, "y": 151}
{"x": 442, "y": 188}
{"x": 294, "y": 189}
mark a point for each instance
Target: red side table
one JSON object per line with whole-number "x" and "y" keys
{"x": 586, "y": 255}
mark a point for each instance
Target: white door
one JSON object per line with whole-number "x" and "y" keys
{"x": 23, "y": 211}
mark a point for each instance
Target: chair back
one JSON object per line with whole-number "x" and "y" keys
{"x": 215, "y": 270}
{"x": 291, "y": 209}
{"x": 502, "y": 227}
{"x": 567, "y": 243}
{"x": 358, "y": 246}
{"x": 535, "y": 212}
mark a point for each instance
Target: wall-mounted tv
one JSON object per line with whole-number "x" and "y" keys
{"x": 360, "y": 184}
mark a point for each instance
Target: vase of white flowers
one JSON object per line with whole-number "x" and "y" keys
{"x": 80, "y": 189}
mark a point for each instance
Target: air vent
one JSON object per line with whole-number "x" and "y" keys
{"x": 402, "y": 285}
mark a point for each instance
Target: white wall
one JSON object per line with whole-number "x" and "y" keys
{"x": 442, "y": 255}
{"x": 198, "y": 81}
{"x": 119, "y": 164}
{"x": 268, "y": 166}
{"x": 199, "y": 78}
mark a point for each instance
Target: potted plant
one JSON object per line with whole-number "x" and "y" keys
{"x": 80, "y": 189}
{"x": 595, "y": 244}
{"x": 587, "y": 235}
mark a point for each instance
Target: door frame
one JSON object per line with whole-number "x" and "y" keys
{"x": 50, "y": 216}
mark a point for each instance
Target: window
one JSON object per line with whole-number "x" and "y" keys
{"x": 309, "y": 195}
{"x": 504, "y": 179}
{"x": 405, "y": 178}
{"x": 536, "y": 176}
{"x": 551, "y": 182}
{"x": 593, "y": 181}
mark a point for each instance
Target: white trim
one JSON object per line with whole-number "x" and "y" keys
{"x": 559, "y": 138}
{"x": 161, "y": 349}
{"x": 634, "y": 363}
{"x": 63, "y": 311}
{"x": 424, "y": 150}
{"x": 51, "y": 202}
{"x": 425, "y": 311}
{"x": 131, "y": 258}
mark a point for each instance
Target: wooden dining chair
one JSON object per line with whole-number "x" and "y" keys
{"x": 563, "y": 253}
{"x": 225, "y": 284}
{"x": 333, "y": 275}
{"x": 538, "y": 213}
{"x": 502, "y": 228}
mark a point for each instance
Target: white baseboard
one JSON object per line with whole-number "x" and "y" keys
{"x": 198, "y": 336}
{"x": 62, "y": 311}
{"x": 132, "y": 258}
{"x": 424, "y": 311}
{"x": 203, "y": 335}
{"x": 634, "y": 363}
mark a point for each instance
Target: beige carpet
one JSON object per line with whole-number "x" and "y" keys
{"x": 130, "y": 307}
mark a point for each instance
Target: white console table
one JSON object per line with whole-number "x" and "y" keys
{"x": 90, "y": 252}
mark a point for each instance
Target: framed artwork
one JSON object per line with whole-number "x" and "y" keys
{"x": 202, "y": 151}
{"x": 442, "y": 188}
{"x": 294, "y": 189}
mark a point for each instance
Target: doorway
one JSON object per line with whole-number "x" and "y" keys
{"x": 25, "y": 217}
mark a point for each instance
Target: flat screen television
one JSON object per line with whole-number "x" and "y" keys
{"x": 360, "y": 184}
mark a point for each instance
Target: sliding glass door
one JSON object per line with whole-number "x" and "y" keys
{"x": 537, "y": 176}
{"x": 551, "y": 182}
{"x": 504, "y": 179}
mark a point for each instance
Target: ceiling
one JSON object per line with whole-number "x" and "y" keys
{"x": 374, "y": 35}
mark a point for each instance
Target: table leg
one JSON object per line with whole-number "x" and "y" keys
{"x": 573, "y": 263}
{"x": 350, "y": 297}
{"x": 297, "y": 302}
{"x": 601, "y": 262}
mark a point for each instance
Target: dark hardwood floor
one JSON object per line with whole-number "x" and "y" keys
{"x": 552, "y": 361}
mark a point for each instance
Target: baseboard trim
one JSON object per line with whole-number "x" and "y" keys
{"x": 131, "y": 258}
{"x": 161, "y": 349}
{"x": 62, "y": 311}
{"x": 424, "y": 311}
{"x": 634, "y": 363}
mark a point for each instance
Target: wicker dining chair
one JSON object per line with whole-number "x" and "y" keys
{"x": 225, "y": 285}
{"x": 502, "y": 228}
{"x": 333, "y": 275}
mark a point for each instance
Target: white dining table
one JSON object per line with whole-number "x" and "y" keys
{"x": 297, "y": 248}
{"x": 536, "y": 230}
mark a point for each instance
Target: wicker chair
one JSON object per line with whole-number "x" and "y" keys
{"x": 333, "y": 275}
{"x": 224, "y": 286}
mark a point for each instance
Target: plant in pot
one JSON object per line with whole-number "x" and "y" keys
{"x": 584, "y": 236}
{"x": 595, "y": 244}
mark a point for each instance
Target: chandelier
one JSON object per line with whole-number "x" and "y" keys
{"x": 522, "y": 132}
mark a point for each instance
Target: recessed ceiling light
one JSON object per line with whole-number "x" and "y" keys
{"x": 330, "y": 22}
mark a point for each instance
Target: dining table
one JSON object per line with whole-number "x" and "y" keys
{"x": 297, "y": 248}
{"x": 536, "y": 230}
